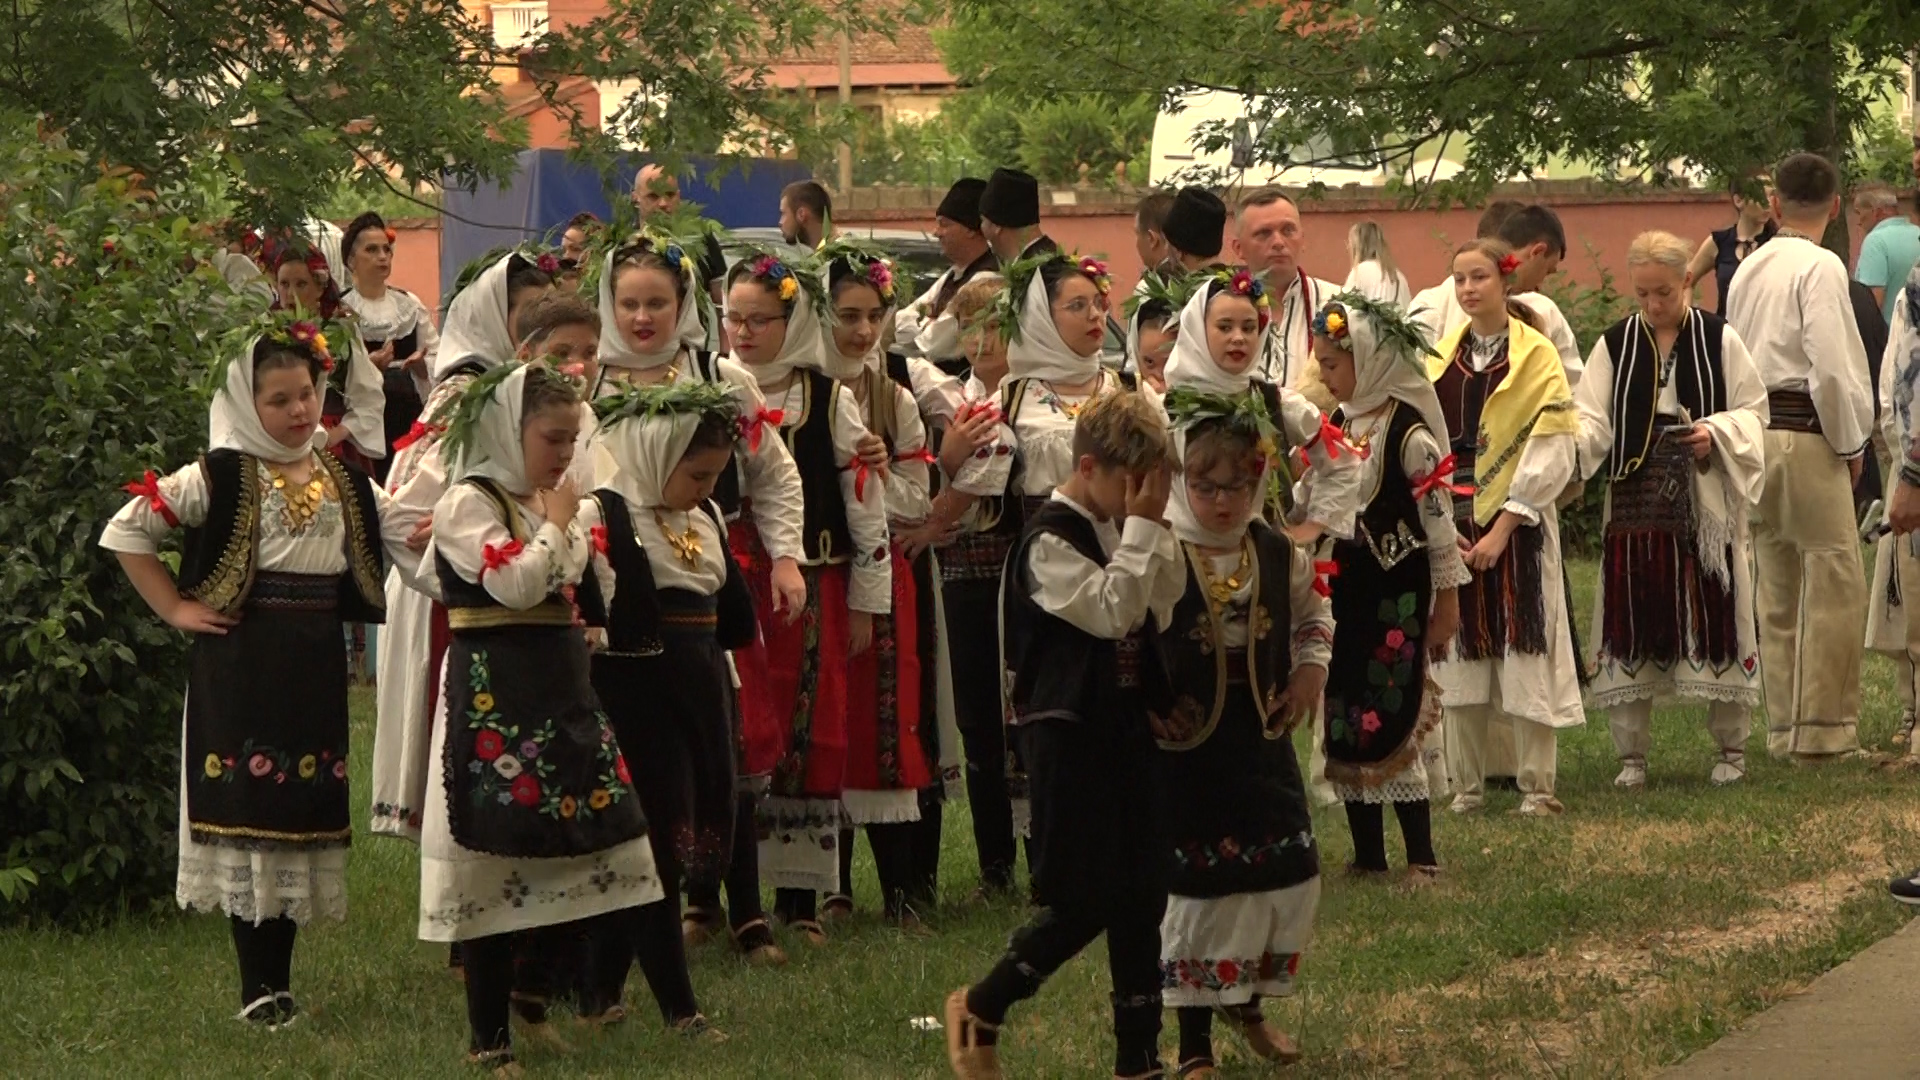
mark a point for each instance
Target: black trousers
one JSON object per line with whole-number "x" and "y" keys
{"x": 1054, "y": 937}
{"x": 1367, "y": 821}
{"x": 265, "y": 951}
{"x": 893, "y": 862}
{"x": 974, "y": 652}
{"x": 743, "y": 872}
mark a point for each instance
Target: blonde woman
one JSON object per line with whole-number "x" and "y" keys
{"x": 1374, "y": 273}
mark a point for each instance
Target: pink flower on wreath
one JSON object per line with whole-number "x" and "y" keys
{"x": 258, "y": 765}
{"x": 763, "y": 266}
{"x": 1097, "y": 270}
{"x": 880, "y": 275}
{"x": 340, "y": 769}
{"x": 1396, "y": 638}
{"x": 547, "y": 263}
{"x": 303, "y": 331}
{"x": 1370, "y": 721}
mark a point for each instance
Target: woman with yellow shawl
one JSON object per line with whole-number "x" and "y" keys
{"x": 1512, "y": 423}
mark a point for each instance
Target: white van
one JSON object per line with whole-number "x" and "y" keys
{"x": 1177, "y": 161}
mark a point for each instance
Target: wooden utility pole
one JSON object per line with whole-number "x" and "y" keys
{"x": 846, "y": 98}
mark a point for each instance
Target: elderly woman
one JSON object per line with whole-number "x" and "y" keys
{"x": 1673, "y": 410}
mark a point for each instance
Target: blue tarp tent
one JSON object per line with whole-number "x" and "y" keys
{"x": 547, "y": 189}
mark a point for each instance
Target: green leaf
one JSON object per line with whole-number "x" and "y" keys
{"x": 1406, "y": 607}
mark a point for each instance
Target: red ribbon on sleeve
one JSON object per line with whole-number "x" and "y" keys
{"x": 923, "y": 454}
{"x": 148, "y": 488}
{"x": 1335, "y": 439}
{"x": 750, "y": 426}
{"x": 1427, "y": 483}
{"x": 493, "y": 558}
{"x": 1323, "y": 574}
{"x": 860, "y": 472}
{"x": 598, "y": 534}
{"x": 972, "y": 409}
{"x": 414, "y": 434}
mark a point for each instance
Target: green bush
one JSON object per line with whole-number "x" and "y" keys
{"x": 1058, "y": 137}
{"x": 105, "y": 337}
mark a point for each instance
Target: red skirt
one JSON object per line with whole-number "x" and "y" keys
{"x": 884, "y": 752}
{"x": 793, "y": 681}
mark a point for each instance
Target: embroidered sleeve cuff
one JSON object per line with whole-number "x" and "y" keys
{"x": 1522, "y": 511}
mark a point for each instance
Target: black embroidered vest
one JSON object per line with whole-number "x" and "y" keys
{"x": 1389, "y": 524}
{"x": 470, "y": 606}
{"x": 1203, "y": 671}
{"x": 1698, "y": 381}
{"x": 217, "y": 563}
{"x": 633, "y": 619}
{"x": 824, "y": 534}
{"x": 1463, "y": 396}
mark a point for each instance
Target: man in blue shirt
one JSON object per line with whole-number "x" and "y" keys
{"x": 1891, "y": 248}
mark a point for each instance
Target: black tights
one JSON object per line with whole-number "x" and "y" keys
{"x": 893, "y": 851}
{"x": 1367, "y": 821}
{"x": 652, "y": 933}
{"x": 489, "y": 966}
{"x": 742, "y": 877}
{"x": 923, "y": 887}
{"x": 265, "y": 950}
{"x": 1196, "y": 1027}
{"x": 1052, "y": 938}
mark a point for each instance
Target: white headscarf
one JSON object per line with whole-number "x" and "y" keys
{"x": 689, "y": 332}
{"x": 234, "y": 424}
{"x": 647, "y": 449}
{"x": 838, "y": 365}
{"x": 1041, "y": 353}
{"x": 1186, "y": 526}
{"x": 1380, "y": 372}
{"x": 496, "y": 451}
{"x": 476, "y": 326}
{"x": 1191, "y": 364}
{"x": 807, "y": 343}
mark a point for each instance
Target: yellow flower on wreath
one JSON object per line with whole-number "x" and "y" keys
{"x": 213, "y": 768}
{"x": 483, "y": 701}
{"x": 568, "y": 806}
{"x": 308, "y": 766}
{"x": 789, "y": 288}
{"x": 599, "y": 800}
{"x": 320, "y": 342}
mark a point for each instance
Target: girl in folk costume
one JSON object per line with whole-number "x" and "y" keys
{"x": 795, "y": 678}
{"x": 1510, "y": 416}
{"x": 654, "y": 320}
{"x": 887, "y": 764}
{"x": 1673, "y": 409}
{"x": 531, "y": 818}
{"x": 1215, "y": 351}
{"x": 1153, "y": 322}
{"x": 354, "y": 397}
{"x": 283, "y": 545}
{"x": 973, "y": 507}
{"x": 478, "y": 337}
{"x": 1395, "y": 584}
{"x": 671, "y": 600}
{"x": 1247, "y": 648}
{"x": 399, "y": 332}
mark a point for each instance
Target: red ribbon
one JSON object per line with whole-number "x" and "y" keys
{"x": 598, "y": 534}
{"x": 1427, "y": 483}
{"x": 750, "y": 425}
{"x": 1335, "y": 439}
{"x": 860, "y": 472}
{"x": 414, "y": 434}
{"x": 972, "y": 409}
{"x": 1323, "y": 575}
{"x": 148, "y": 488}
{"x": 923, "y": 454}
{"x": 493, "y": 558}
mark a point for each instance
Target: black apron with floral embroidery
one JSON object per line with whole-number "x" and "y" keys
{"x": 533, "y": 769}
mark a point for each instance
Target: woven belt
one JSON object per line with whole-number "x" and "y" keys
{"x": 294, "y": 592}
{"x": 1792, "y": 410}
{"x": 550, "y": 613}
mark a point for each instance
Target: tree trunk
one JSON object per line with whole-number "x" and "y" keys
{"x": 1822, "y": 135}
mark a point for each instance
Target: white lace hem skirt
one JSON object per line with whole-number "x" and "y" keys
{"x": 259, "y": 885}
{"x": 1226, "y": 949}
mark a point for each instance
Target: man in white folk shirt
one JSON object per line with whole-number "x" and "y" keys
{"x": 1010, "y": 216}
{"x": 1268, "y": 236}
{"x": 1540, "y": 242}
{"x": 925, "y": 322}
{"x": 1788, "y": 301}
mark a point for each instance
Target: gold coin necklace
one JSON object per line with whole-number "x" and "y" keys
{"x": 303, "y": 501}
{"x": 1221, "y": 590}
{"x": 686, "y": 545}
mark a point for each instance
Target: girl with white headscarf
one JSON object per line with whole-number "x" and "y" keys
{"x": 671, "y": 599}
{"x": 1217, "y": 351}
{"x": 1394, "y": 584}
{"x": 1247, "y": 650}
{"x": 888, "y": 764}
{"x": 793, "y": 683}
{"x": 284, "y": 546}
{"x": 531, "y": 816}
{"x": 1054, "y": 317}
{"x": 477, "y": 338}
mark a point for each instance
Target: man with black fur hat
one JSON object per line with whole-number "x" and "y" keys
{"x": 925, "y": 322}
{"x": 1195, "y": 227}
{"x": 1010, "y": 216}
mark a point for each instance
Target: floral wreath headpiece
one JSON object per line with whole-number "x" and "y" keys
{"x": 784, "y": 278}
{"x": 287, "y": 326}
{"x": 1006, "y": 307}
{"x": 1245, "y": 412}
{"x": 704, "y": 399}
{"x": 871, "y": 264}
{"x": 1245, "y": 284}
{"x": 1172, "y": 290}
{"x": 1391, "y": 327}
{"x": 538, "y": 256}
{"x": 457, "y": 442}
{"x": 675, "y": 249}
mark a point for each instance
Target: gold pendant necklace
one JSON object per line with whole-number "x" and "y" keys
{"x": 301, "y": 502}
{"x": 1221, "y": 590}
{"x": 685, "y": 545}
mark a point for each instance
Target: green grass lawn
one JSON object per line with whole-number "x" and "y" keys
{"x": 1631, "y": 932}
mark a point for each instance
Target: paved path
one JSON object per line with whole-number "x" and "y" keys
{"x": 1855, "y": 1021}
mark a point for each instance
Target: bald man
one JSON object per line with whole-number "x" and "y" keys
{"x": 656, "y": 194}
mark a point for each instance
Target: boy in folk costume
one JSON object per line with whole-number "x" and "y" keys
{"x": 284, "y": 543}
{"x": 1674, "y": 412}
{"x": 1248, "y": 647}
{"x": 1788, "y": 301}
{"x": 1510, "y": 416}
{"x": 1395, "y": 591}
{"x": 1083, "y": 668}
